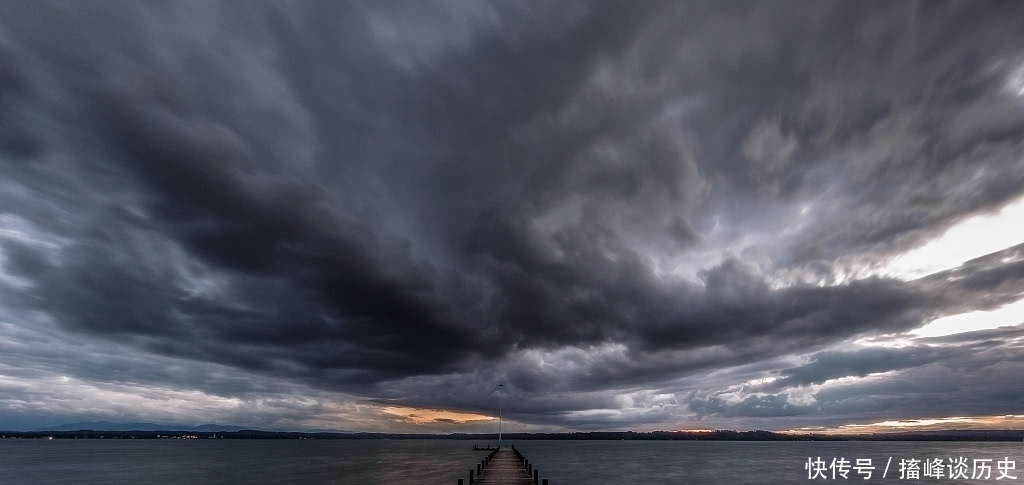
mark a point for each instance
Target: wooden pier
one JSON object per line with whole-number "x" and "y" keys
{"x": 504, "y": 466}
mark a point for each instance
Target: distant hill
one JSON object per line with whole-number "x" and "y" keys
{"x": 109, "y": 426}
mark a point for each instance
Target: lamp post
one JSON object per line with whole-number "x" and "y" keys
{"x": 499, "y": 413}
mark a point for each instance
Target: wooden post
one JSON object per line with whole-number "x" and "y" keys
{"x": 460, "y": 482}
{"x": 536, "y": 477}
{"x": 477, "y": 468}
{"x": 544, "y": 481}
{"x": 471, "y": 475}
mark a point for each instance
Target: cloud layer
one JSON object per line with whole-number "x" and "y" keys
{"x": 628, "y": 212}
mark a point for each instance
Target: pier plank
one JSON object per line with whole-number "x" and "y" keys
{"x": 504, "y": 469}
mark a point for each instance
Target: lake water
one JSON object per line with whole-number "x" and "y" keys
{"x": 441, "y": 462}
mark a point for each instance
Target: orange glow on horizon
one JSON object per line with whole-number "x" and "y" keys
{"x": 1009, "y": 421}
{"x": 428, "y": 416}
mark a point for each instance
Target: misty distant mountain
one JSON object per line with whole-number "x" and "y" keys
{"x": 109, "y": 426}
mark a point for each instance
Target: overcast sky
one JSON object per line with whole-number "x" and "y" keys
{"x": 633, "y": 214}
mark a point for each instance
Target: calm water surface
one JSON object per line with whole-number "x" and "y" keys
{"x": 441, "y": 462}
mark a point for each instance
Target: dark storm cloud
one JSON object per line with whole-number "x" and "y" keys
{"x": 14, "y": 140}
{"x": 983, "y": 283}
{"x": 833, "y": 365}
{"x": 398, "y": 200}
{"x": 939, "y": 389}
{"x": 924, "y": 382}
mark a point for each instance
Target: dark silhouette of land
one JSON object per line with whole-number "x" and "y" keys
{"x": 141, "y": 426}
{"x": 719, "y": 435}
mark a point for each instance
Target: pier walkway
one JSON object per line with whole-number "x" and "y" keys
{"x": 504, "y": 466}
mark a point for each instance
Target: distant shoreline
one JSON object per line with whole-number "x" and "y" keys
{"x": 721, "y": 435}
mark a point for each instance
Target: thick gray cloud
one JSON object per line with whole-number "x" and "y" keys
{"x": 620, "y": 209}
